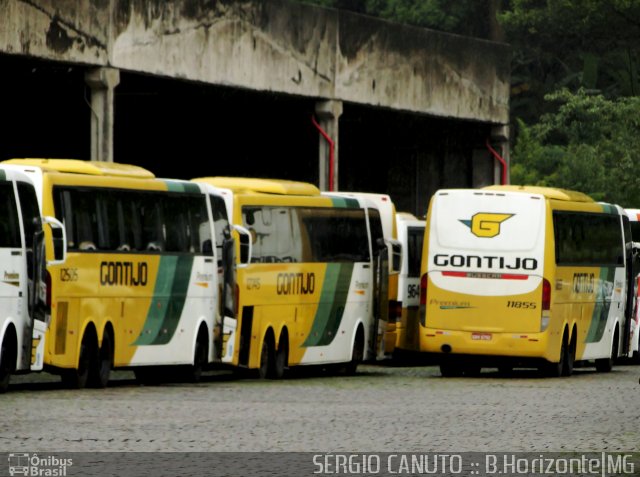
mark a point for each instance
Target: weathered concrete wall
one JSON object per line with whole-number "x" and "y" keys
{"x": 271, "y": 45}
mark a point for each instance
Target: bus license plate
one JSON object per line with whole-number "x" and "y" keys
{"x": 481, "y": 336}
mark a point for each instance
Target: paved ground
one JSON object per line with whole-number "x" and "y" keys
{"x": 403, "y": 409}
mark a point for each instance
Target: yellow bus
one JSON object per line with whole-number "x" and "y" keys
{"x": 411, "y": 236}
{"x": 139, "y": 288}
{"x": 24, "y": 310}
{"x": 308, "y": 291}
{"x": 517, "y": 276}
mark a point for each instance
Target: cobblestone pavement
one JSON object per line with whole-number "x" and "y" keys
{"x": 382, "y": 408}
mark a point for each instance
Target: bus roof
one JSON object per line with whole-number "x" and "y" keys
{"x": 95, "y": 168}
{"x": 547, "y": 192}
{"x": 267, "y": 186}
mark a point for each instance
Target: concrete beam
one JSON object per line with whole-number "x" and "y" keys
{"x": 280, "y": 46}
{"x": 102, "y": 82}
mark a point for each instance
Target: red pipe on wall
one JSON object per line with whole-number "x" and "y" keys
{"x": 331, "y": 148}
{"x": 502, "y": 162}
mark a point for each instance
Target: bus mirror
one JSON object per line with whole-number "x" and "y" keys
{"x": 245, "y": 245}
{"x": 59, "y": 235}
{"x": 395, "y": 260}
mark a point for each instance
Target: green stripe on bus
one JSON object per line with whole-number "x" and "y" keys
{"x": 179, "y": 186}
{"x": 182, "y": 274}
{"x": 168, "y": 300}
{"x": 3, "y": 176}
{"x": 333, "y": 299}
{"x": 344, "y": 202}
{"x": 602, "y": 305}
{"x": 609, "y": 209}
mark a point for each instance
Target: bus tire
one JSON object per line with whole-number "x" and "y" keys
{"x": 605, "y": 365}
{"x": 570, "y": 356}
{"x": 148, "y": 375}
{"x": 77, "y": 378}
{"x": 267, "y": 358}
{"x": 451, "y": 369}
{"x": 357, "y": 354}
{"x": 554, "y": 370}
{"x": 101, "y": 368}
{"x": 7, "y": 362}
{"x": 282, "y": 358}
{"x": 200, "y": 355}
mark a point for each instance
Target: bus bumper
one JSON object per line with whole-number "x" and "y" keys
{"x": 504, "y": 344}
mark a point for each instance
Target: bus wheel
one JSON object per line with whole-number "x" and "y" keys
{"x": 267, "y": 358}
{"x": 554, "y": 370}
{"x": 200, "y": 356}
{"x": 505, "y": 370}
{"x": 148, "y": 375}
{"x": 5, "y": 366}
{"x": 77, "y": 378}
{"x": 570, "y": 357}
{"x": 100, "y": 370}
{"x": 451, "y": 369}
{"x": 605, "y": 365}
{"x": 357, "y": 354}
{"x": 282, "y": 359}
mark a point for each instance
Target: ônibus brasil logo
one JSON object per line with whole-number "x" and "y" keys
{"x": 486, "y": 224}
{"x": 34, "y": 465}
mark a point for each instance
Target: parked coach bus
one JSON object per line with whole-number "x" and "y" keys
{"x": 24, "y": 310}
{"x": 525, "y": 276}
{"x": 139, "y": 288}
{"x": 306, "y": 289}
{"x": 411, "y": 236}
{"x": 634, "y": 335}
{"x": 382, "y": 213}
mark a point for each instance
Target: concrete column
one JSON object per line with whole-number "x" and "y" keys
{"x": 102, "y": 82}
{"x": 328, "y": 114}
{"x": 500, "y": 142}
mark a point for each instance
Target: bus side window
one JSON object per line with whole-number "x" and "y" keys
{"x": 9, "y": 226}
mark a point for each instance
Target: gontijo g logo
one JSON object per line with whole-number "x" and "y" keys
{"x": 486, "y": 224}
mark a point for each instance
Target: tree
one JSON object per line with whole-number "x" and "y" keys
{"x": 574, "y": 44}
{"x": 591, "y": 144}
{"x": 465, "y": 17}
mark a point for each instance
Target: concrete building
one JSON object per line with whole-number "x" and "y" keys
{"x": 192, "y": 87}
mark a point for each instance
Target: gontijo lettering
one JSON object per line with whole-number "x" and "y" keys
{"x": 124, "y": 273}
{"x": 295, "y": 283}
{"x": 491, "y": 262}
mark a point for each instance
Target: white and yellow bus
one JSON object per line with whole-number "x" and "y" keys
{"x": 383, "y": 210}
{"x": 139, "y": 288}
{"x": 634, "y": 333}
{"x": 524, "y": 276}
{"x": 24, "y": 310}
{"x": 411, "y": 236}
{"x": 307, "y": 291}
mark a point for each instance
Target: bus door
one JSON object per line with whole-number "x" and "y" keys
{"x": 13, "y": 274}
{"x": 631, "y": 272}
{"x": 380, "y": 257}
{"x": 36, "y": 325}
{"x": 225, "y": 325}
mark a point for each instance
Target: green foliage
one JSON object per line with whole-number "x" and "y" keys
{"x": 571, "y": 43}
{"x": 590, "y": 144}
{"x": 466, "y": 17}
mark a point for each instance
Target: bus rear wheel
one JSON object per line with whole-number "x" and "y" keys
{"x": 77, "y": 378}
{"x": 267, "y": 359}
{"x": 101, "y": 368}
{"x": 357, "y": 354}
{"x": 5, "y": 366}
{"x": 605, "y": 365}
{"x": 282, "y": 359}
